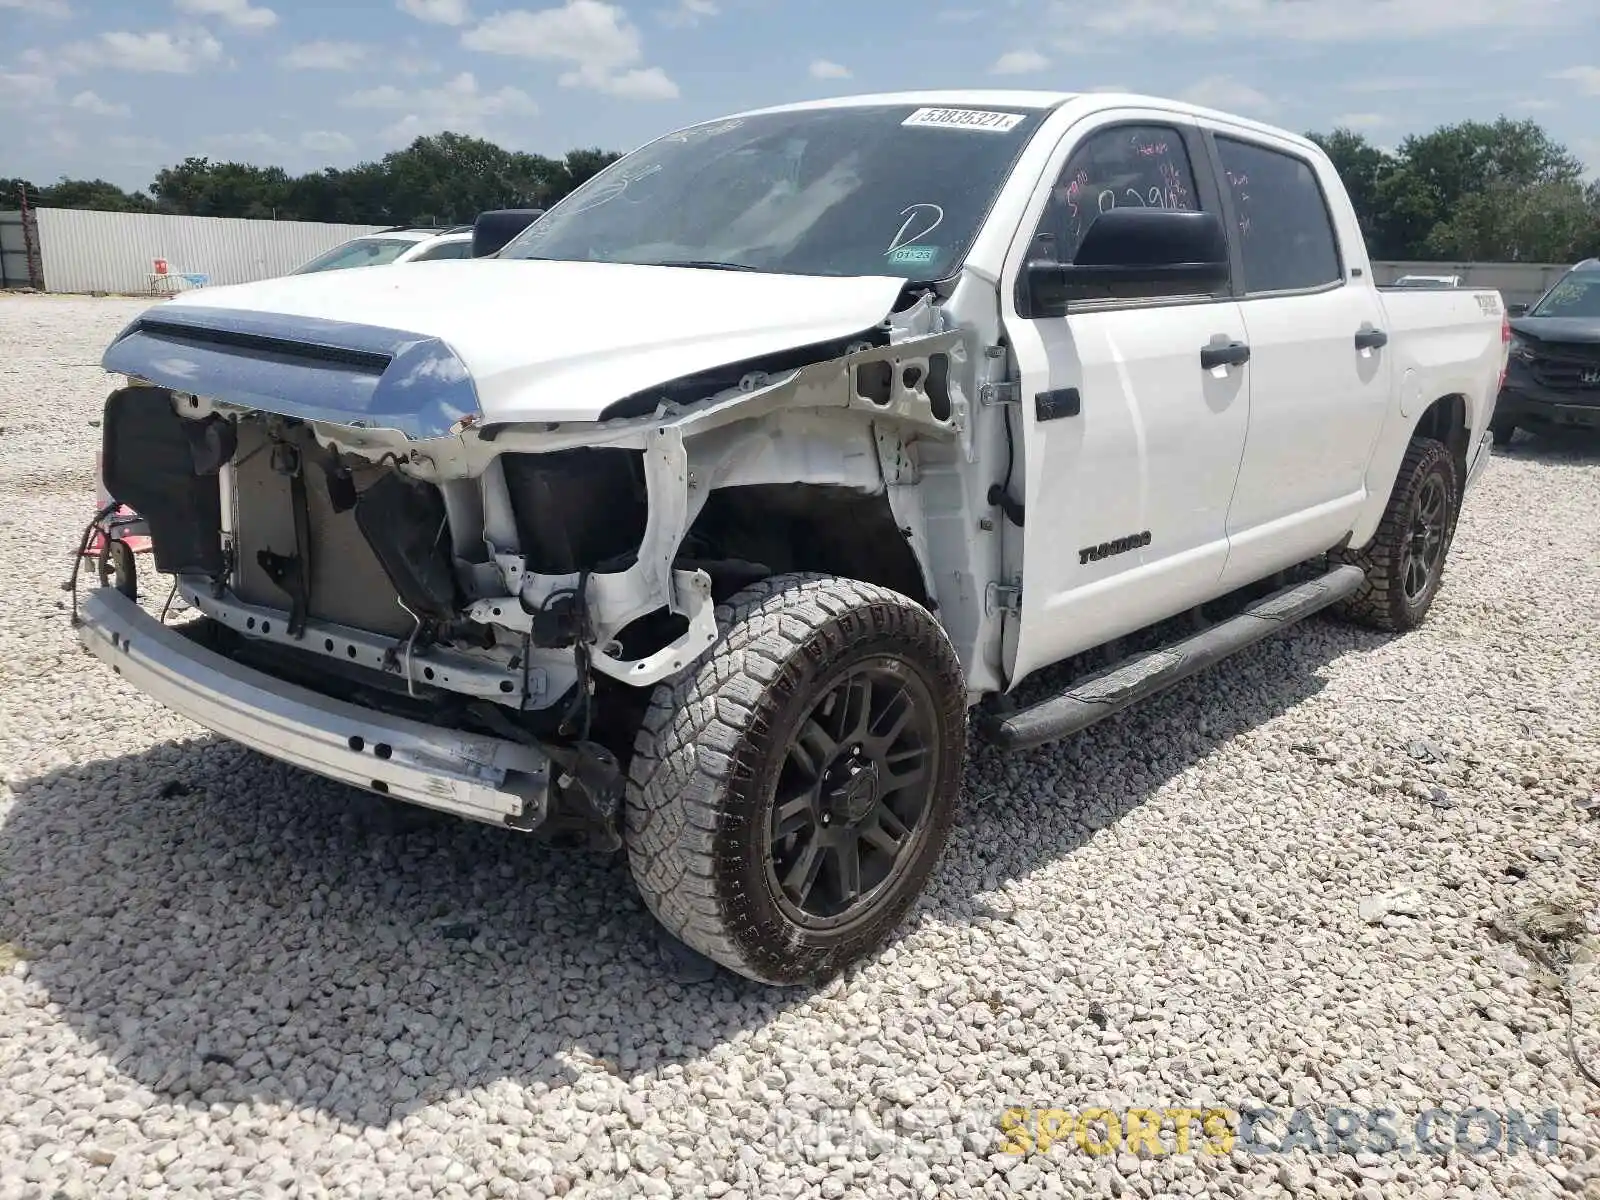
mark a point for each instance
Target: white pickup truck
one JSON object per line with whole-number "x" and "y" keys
{"x": 701, "y": 517}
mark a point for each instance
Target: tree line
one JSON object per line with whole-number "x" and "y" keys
{"x": 442, "y": 179}
{"x": 1500, "y": 191}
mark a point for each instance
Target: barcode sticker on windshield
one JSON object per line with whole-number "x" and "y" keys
{"x": 965, "y": 118}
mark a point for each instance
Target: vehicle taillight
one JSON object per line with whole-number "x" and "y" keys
{"x": 1505, "y": 350}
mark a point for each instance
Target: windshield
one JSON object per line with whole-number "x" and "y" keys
{"x": 363, "y": 252}
{"x": 1574, "y": 296}
{"x": 878, "y": 190}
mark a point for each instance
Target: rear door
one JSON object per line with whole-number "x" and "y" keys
{"x": 1129, "y": 475}
{"x": 1319, "y": 361}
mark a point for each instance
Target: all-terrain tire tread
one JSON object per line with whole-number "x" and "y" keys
{"x": 1379, "y": 603}
{"x": 687, "y": 748}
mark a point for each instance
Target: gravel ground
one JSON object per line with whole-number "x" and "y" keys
{"x": 1275, "y": 886}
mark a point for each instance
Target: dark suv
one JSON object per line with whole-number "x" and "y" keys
{"x": 1553, "y": 377}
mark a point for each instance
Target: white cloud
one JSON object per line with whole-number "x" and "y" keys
{"x": 458, "y": 105}
{"x": 326, "y": 141}
{"x": 644, "y": 83}
{"x": 136, "y": 144}
{"x": 241, "y": 14}
{"x": 1308, "y": 20}
{"x": 325, "y": 56}
{"x": 159, "y": 52}
{"x": 1586, "y": 78}
{"x": 23, "y": 89}
{"x": 256, "y": 141}
{"x": 824, "y": 69}
{"x": 92, "y": 104}
{"x": 1534, "y": 104}
{"x": 596, "y": 39}
{"x": 1392, "y": 83}
{"x": 40, "y": 8}
{"x": 1228, "y": 94}
{"x": 436, "y": 12}
{"x": 689, "y": 13}
{"x": 1019, "y": 62}
{"x": 1362, "y": 120}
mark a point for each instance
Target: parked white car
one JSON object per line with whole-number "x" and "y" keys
{"x": 702, "y": 515}
{"x": 392, "y": 247}
{"x": 1427, "y": 281}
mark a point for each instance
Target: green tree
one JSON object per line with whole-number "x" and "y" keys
{"x": 1557, "y": 221}
{"x": 1362, "y": 167}
{"x": 1436, "y": 173}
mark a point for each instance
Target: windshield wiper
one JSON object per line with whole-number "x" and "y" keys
{"x": 705, "y": 264}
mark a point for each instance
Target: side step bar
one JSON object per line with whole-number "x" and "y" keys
{"x": 1086, "y": 701}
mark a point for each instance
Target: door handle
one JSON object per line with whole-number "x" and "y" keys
{"x": 1224, "y": 354}
{"x": 1368, "y": 338}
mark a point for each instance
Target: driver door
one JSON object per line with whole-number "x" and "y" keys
{"x": 1130, "y": 471}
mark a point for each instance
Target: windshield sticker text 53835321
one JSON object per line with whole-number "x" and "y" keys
{"x": 965, "y": 118}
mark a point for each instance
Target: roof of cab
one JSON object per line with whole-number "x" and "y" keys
{"x": 1031, "y": 100}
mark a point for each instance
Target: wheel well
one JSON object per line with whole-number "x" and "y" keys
{"x": 788, "y": 527}
{"x": 1446, "y": 421}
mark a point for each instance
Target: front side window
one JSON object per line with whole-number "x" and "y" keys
{"x": 890, "y": 189}
{"x": 1125, "y": 166}
{"x": 363, "y": 252}
{"x": 1284, "y": 230}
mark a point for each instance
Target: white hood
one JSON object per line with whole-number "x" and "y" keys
{"x": 559, "y": 341}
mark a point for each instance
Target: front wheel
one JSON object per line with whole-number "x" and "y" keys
{"x": 1404, "y": 562}
{"x": 791, "y": 792}
{"x": 1503, "y": 429}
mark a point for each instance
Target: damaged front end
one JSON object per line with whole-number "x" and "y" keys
{"x": 462, "y": 613}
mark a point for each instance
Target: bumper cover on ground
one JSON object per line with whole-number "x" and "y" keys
{"x": 470, "y": 775}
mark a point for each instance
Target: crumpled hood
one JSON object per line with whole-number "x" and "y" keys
{"x": 1558, "y": 329}
{"x": 421, "y": 345}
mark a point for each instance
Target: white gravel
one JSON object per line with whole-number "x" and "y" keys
{"x": 1272, "y": 886}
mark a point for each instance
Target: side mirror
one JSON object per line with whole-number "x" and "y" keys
{"x": 1516, "y": 310}
{"x": 1132, "y": 253}
{"x": 493, "y": 229}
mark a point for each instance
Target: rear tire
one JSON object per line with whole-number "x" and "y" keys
{"x": 1404, "y": 562}
{"x": 791, "y": 792}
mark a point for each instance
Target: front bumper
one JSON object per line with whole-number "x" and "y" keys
{"x": 1525, "y": 398}
{"x": 484, "y": 778}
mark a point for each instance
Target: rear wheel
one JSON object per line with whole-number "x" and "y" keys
{"x": 790, "y": 794}
{"x": 1404, "y": 562}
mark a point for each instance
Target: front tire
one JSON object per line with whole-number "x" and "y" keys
{"x": 791, "y": 792}
{"x": 1503, "y": 429}
{"x": 1404, "y": 562}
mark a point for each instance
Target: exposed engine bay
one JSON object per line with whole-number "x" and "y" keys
{"x": 536, "y": 581}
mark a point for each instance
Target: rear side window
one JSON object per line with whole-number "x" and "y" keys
{"x": 1284, "y": 229}
{"x": 1125, "y": 166}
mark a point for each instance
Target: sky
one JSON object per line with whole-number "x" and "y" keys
{"x": 116, "y": 89}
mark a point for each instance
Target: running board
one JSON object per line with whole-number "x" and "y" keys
{"x": 1086, "y": 701}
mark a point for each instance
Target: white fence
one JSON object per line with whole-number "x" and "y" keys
{"x": 85, "y": 251}
{"x": 1518, "y": 283}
